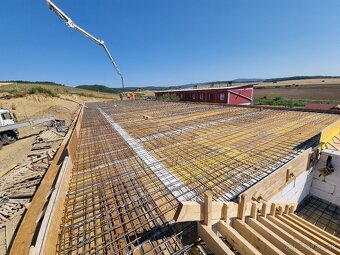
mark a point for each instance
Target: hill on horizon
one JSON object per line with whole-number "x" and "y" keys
{"x": 106, "y": 89}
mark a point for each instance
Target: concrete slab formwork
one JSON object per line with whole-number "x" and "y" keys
{"x": 130, "y": 172}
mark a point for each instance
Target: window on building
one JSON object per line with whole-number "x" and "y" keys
{"x": 202, "y": 96}
{"x": 222, "y": 97}
{"x": 193, "y": 96}
{"x": 211, "y": 96}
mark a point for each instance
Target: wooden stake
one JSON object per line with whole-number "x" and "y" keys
{"x": 253, "y": 212}
{"x": 273, "y": 209}
{"x": 264, "y": 209}
{"x": 286, "y": 209}
{"x": 207, "y": 207}
{"x": 225, "y": 212}
{"x": 242, "y": 207}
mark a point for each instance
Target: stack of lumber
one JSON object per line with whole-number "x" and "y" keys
{"x": 18, "y": 186}
{"x": 48, "y": 136}
{"x": 19, "y": 183}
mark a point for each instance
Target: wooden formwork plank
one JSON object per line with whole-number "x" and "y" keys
{"x": 280, "y": 243}
{"x": 310, "y": 235}
{"x": 236, "y": 239}
{"x": 215, "y": 244}
{"x": 298, "y": 235}
{"x": 47, "y": 238}
{"x": 255, "y": 238}
{"x": 316, "y": 230}
{"x": 194, "y": 211}
{"x": 296, "y": 243}
{"x": 7, "y": 170}
{"x": 24, "y": 237}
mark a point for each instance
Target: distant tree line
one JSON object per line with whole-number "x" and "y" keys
{"x": 34, "y": 82}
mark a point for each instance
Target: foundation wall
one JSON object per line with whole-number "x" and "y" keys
{"x": 327, "y": 187}
{"x": 282, "y": 184}
{"x": 297, "y": 190}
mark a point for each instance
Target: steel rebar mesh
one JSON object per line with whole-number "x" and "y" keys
{"x": 119, "y": 203}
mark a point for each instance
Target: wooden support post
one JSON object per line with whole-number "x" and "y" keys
{"x": 289, "y": 174}
{"x": 280, "y": 209}
{"x": 273, "y": 209}
{"x": 253, "y": 212}
{"x": 264, "y": 209}
{"x": 225, "y": 212}
{"x": 242, "y": 207}
{"x": 294, "y": 208}
{"x": 286, "y": 211}
{"x": 207, "y": 207}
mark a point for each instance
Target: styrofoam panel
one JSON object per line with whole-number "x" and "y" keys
{"x": 323, "y": 195}
{"x": 333, "y": 180}
{"x": 296, "y": 190}
{"x": 324, "y": 186}
{"x": 337, "y": 201}
{"x": 337, "y": 192}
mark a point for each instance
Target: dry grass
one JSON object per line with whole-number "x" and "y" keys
{"x": 19, "y": 90}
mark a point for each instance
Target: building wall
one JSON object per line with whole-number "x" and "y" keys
{"x": 237, "y": 99}
{"x": 327, "y": 187}
{"x": 236, "y": 96}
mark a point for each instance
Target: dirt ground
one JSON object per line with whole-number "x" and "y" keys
{"x": 306, "y": 92}
{"x": 31, "y": 107}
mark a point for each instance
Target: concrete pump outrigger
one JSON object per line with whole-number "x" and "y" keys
{"x": 71, "y": 24}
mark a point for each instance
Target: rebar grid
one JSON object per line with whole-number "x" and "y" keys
{"x": 221, "y": 148}
{"x": 117, "y": 204}
{"x": 321, "y": 213}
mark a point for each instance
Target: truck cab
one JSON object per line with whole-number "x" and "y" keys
{"x": 8, "y": 118}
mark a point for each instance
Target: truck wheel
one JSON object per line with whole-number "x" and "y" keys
{"x": 9, "y": 138}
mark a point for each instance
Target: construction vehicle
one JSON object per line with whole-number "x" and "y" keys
{"x": 9, "y": 126}
{"x": 69, "y": 22}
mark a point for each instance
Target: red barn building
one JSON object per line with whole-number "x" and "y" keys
{"x": 236, "y": 95}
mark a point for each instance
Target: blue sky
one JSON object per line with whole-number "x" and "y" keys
{"x": 158, "y": 42}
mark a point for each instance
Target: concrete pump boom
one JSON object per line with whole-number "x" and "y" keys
{"x": 71, "y": 24}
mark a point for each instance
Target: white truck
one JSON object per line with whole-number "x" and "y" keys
{"x": 9, "y": 126}
{"x": 8, "y": 118}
